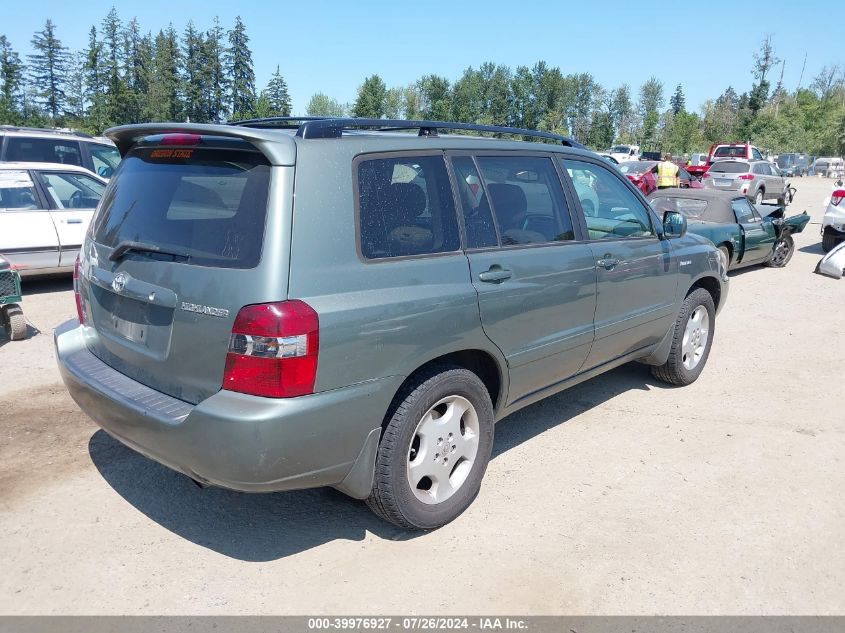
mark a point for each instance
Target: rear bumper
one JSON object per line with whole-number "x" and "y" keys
{"x": 234, "y": 440}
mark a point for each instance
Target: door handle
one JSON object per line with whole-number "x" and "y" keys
{"x": 74, "y": 221}
{"x": 495, "y": 275}
{"x": 607, "y": 262}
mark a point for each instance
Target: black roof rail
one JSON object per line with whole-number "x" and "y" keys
{"x": 333, "y": 127}
{"x": 19, "y": 128}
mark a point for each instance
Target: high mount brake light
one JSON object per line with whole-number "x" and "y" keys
{"x": 273, "y": 350}
{"x": 180, "y": 139}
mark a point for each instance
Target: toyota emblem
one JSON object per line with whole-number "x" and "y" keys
{"x": 119, "y": 282}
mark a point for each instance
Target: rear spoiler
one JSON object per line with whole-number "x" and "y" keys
{"x": 279, "y": 147}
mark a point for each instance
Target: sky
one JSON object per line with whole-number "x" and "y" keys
{"x": 331, "y": 47}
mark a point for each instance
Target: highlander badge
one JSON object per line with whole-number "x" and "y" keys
{"x": 201, "y": 309}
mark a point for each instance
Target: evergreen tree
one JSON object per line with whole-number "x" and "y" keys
{"x": 240, "y": 73}
{"x": 651, "y": 101}
{"x": 112, "y": 62}
{"x": 137, "y": 57}
{"x": 371, "y": 98}
{"x": 622, "y": 113}
{"x": 163, "y": 103}
{"x": 678, "y": 101}
{"x": 216, "y": 85}
{"x": 194, "y": 90}
{"x": 48, "y": 68}
{"x": 75, "y": 90}
{"x": 277, "y": 95}
{"x": 95, "y": 88}
{"x": 11, "y": 81}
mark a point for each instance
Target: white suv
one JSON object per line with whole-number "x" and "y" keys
{"x": 64, "y": 147}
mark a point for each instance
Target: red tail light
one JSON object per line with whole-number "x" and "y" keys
{"x": 746, "y": 176}
{"x": 273, "y": 350}
{"x": 837, "y": 197}
{"x": 80, "y": 313}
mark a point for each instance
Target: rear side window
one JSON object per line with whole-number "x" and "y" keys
{"x": 72, "y": 191}
{"x": 43, "y": 150}
{"x": 405, "y": 207}
{"x": 203, "y": 206}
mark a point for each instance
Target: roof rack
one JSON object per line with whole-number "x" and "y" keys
{"x": 17, "y": 128}
{"x": 330, "y": 127}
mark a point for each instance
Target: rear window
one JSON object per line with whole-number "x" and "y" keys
{"x": 730, "y": 168}
{"x": 636, "y": 167}
{"x": 688, "y": 207}
{"x": 205, "y": 206}
{"x": 734, "y": 152}
{"x": 43, "y": 150}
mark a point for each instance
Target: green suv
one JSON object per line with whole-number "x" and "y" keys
{"x": 282, "y": 304}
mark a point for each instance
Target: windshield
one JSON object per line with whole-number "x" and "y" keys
{"x": 785, "y": 160}
{"x": 209, "y": 204}
{"x": 730, "y": 167}
{"x": 620, "y": 149}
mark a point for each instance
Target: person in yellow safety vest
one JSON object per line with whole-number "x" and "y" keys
{"x": 667, "y": 173}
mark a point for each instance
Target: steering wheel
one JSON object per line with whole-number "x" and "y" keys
{"x": 75, "y": 200}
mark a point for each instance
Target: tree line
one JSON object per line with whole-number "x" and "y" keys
{"x": 126, "y": 76}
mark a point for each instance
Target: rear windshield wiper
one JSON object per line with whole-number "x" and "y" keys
{"x": 141, "y": 247}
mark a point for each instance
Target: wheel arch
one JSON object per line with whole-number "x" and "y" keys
{"x": 710, "y": 284}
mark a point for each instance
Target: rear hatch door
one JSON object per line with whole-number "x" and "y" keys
{"x": 175, "y": 250}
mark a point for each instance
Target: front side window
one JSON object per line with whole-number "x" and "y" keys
{"x": 405, "y": 207}
{"x": 744, "y": 212}
{"x": 43, "y": 150}
{"x": 72, "y": 191}
{"x": 105, "y": 158}
{"x": 611, "y": 210}
{"x": 527, "y": 199}
{"x": 17, "y": 192}
{"x": 755, "y": 154}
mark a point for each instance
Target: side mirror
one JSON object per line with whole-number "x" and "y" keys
{"x": 674, "y": 224}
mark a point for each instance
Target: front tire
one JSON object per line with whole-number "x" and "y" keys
{"x": 434, "y": 449}
{"x": 691, "y": 342}
{"x": 782, "y": 252}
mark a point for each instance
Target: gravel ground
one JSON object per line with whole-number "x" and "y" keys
{"x": 618, "y": 496}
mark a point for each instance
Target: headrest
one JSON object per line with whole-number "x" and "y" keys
{"x": 509, "y": 201}
{"x": 404, "y": 201}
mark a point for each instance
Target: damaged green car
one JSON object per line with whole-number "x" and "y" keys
{"x": 746, "y": 234}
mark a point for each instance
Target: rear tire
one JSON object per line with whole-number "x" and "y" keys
{"x": 758, "y": 197}
{"x": 782, "y": 252}
{"x": 689, "y": 353}
{"x": 15, "y": 322}
{"x": 435, "y": 418}
{"x": 829, "y": 241}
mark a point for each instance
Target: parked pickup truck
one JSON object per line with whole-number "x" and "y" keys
{"x": 744, "y": 234}
{"x": 726, "y": 151}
